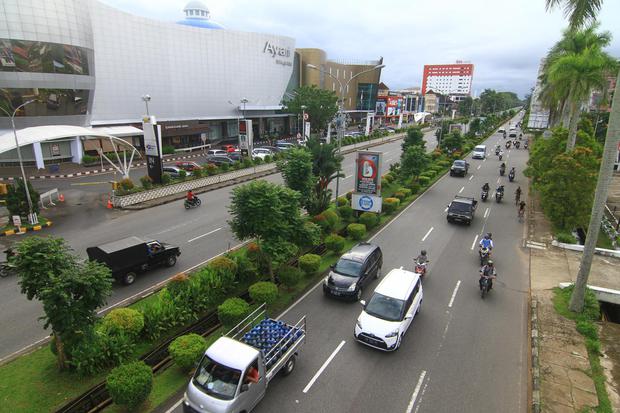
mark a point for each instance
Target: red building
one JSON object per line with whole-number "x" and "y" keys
{"x": 448, "y": 79}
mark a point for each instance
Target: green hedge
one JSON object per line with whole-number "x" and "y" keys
{"x": 334, "y": 243}
{"x": 390, "y": 205}
{"x": 125, "y": 321}
{"x": 289, "y": 276}
{"x": 369, "y": 219}
{"x": 356, "y": 231}
{"x": 263, "y": 292}
{"x": 187, "y": 350}
{"x": 424, "y": 180}
{"x": 129, "y": 385}
{"x": 310, "y": 263}
{"x": 232, "y": 311}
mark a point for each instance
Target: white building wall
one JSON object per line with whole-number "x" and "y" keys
{"x": 190, "y": 73}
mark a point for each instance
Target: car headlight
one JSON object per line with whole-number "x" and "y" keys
{"x": 352, "y": 287}
{"x": 358, "y": 323}
{"x": 392, "y": 334}
{"x": 326, "y": 280}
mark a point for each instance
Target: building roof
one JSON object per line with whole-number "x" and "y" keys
{"x": 28, "y": 136}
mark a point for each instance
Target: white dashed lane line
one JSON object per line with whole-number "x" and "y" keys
{"x": 473, "y": 244}
{"x": 427, "y": 234}
{"x": 323, "y": 367}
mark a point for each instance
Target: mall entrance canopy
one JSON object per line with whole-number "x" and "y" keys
{"x": 36, "y": 135}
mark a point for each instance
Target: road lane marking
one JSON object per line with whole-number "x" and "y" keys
{"x": 386, "y": 152}
{"x": 427, "y": 234}
{"x": 323, "y": 367}
{"x": 204, "y": 235}
{"x": 486, "y": 213}
{"x": 456, "y": 289}
{"x": 445, "y": 210}
{"x": 416, "y": 391}
{"x": 498, "y": 179}
{"x": 347, "y": 177}
{"x": 461, "y": 190}
{"x": 473, "y": 244}
{"x": 484, "y": 160}
{"x": 173, "y": 408}
{"x": 471, "y": 177}
{"x": 478, "y": 166}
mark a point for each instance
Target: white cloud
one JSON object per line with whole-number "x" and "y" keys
{"x": 505, "y": 39}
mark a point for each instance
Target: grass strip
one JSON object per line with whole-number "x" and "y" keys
{"x": 586, "y": 326}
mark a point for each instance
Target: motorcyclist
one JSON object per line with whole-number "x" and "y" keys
{"x": 500, "y": 154}
{"x": 502, "y": 168}
{"x": 422, "y": 258}
{"x": 191, "y": 198}
{"x": 517, "y": 195}
{"x": 512, "y": 172}
{"x": 488, "y": 271}
{"x": 486, "y": 187}
{"x": 500, "y": 190}
{"x": 486, "y": 242}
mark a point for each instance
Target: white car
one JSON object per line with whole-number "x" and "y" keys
{"x": 218, "y": 152}
{"x": 390, "y": 311}
{"x": 261, "y": 153}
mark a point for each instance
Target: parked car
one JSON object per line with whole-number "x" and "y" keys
{"x": 459, "y": 167}
{"x": 273, "y": 149}
{"x": 235, "y": 156}
{"x": 188, "y": 166}
{"x": 175, "y": 171}
{"x": 229, "y": 148}
{"x": 219, "y": 159}
{"x": 354, "y": 271}
{"x": 129, "y": 256}
{"x": 388, "y": 314}
{"x": 261, "y": 153}
{"x": 285, "y": 145}
{"x": 216, "y": 152}
{"x": 390, "y": 129}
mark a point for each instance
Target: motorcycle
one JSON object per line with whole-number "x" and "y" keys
{"x": 499, "y": 195}
{"x": 192, "y": 204}
{"x": 497, "y": 150}
{"x": 507, "y": 144}
{"x": 517, "y": 144}
{"x": 511, "y": 176}
{"x": 484, "y": 254}
{"x": 502, "y": 170}
{"x": 525, "y": 145}
{"x": 420, "y": 268}
{"x": 484, "y": 195}
{"x": 501, "y": 156}
{"x": 485, "y": 285}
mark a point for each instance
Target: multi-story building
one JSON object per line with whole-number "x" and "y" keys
{"x": 89, "y": 64}
{"x": 359, "y": 95}
{"x": 601, "y": 101}
{"x": 455, "y": 78}
{"x": 539, "y": 115}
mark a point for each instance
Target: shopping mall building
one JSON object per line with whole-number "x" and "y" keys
{"x": 88, "y": 64}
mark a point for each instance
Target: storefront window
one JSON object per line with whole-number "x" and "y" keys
{"x": 42, "y": 57}
{"x": 366, "y": 96}
{"x": 48, "y": 102}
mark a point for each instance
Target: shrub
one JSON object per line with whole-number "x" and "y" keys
{"x": 186, "y": 350}
{"x": 267, "y": 159}
{"x": 146, "y": 182}
{"x": 125, "y": 321}
{"x": 423, "y": 180}
{"x": 349, "y": 196}
{"x": 436, "y": 153}
{"x": 177, "y": 285}
{"x": 566, "y": 238}
{"x": 356, "y": 231}
{"x": 167, "y": 149}
{"x": 332, "y": 218}
{"x": 130, "y": 384}
{"x": 88, "y": 159}
{"x": 390, "y": 205}
{"x": 369, "y": 219}
{"x": 342, "y": 201}
{"x": 289, "y": 276}
{"x": 98, "y": 351}
{"x": 224, "y": 167}
{"x": 263, "y": 292}
{"x": 247, "y": 163}
{"x": 399, "y": 195}
{"x": 182, "y": 174}
{"x": 126, "y": 184}
{"x": 310, "y": 263}
{"x": 224, "y": 266}
{"x": 387, "y": 179}
{"x": 246, "y": 269}
{"x": 211, "y": 169}
{"x": 430, "y": 173}
{"x": 346, "y": 212}
{"x": 197, "y": 173}
{"x": 334, "y": 243}
{"x": 321, "y": 221}
{"x": 405, "y": 191}
{"x": 166, "y": 179}
{"x": 415, "y": 186}
{"x": 232, "y": 311}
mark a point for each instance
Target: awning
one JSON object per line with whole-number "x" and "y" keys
{"x": 118, "y": 131}
{"x": 249, "y": 108}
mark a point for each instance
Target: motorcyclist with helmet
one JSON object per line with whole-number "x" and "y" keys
{"x": 421, "y": 262}
{"x": 488, "y": 271}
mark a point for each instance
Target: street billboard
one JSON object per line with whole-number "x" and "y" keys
{"x": 367, "y": 194}
{"x": 246, "y": 137}
{"x": 152, "y": 148}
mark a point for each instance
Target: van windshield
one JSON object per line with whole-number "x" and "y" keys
{"x": 385, "y": 308}
{"x": 459, "y": 207}
{"x": 216, "y": 379}
{"x": 348, "y": 267}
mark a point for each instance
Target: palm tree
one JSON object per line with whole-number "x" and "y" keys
{"x": 576, "y": 75}
{"x": 579, "y": 12}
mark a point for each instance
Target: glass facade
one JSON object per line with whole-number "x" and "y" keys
{"x": 42, "y": 57}
{"x": 366, "y": 96}
{"x": 49, "y": 102}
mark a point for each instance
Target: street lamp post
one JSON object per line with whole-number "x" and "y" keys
{"x": 147, "y": 99}
{"x": 341, "y": 123}
{"x": 32, "y": 217}
{"x": 244, "y": 101}
{"x": 303, "y": 121}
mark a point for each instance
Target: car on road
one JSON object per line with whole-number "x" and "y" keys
{"x": 188, "y": 166}
{"x": 216, "y": 152}
{"x": 261, "y": 153}
{"x": 459, "y": 167}
{"x": 284, "y": 146}
{"x": 354, "y": 271}
{"x": 501, "y": 130}
{"x": 479, "y": 152}
{"x": 175, "y": 171}
{"x": 219, "y": 159}
{"x": 386, "y": 317}
{"x": 512, "y": 134}
{"x": 462, "y": 209}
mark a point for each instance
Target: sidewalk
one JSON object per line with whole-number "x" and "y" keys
{"x": 565, "y": 384}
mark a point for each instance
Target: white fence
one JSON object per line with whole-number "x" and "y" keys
{"x": 49, "y": 196}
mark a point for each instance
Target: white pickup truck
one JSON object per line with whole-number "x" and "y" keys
{"x": 234, "y": 373}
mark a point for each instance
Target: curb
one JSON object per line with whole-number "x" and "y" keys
{"x": 23, "y": 230}
{"x": 535, "y": 359}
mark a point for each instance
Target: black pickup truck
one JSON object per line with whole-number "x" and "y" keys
{"x": 129, "y": 256}
{"x": 462, "y": 209}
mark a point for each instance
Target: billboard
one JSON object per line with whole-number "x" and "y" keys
{"x": 368, "y": 173}
{"x": 152, "y": 148}
{"x": 246, "y": 137}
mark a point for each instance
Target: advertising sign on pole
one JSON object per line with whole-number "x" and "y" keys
{"x": 328, "y": 139}
{"x": 367, "y": 195}
{"x": 369, "y": 121}
{"x": 246, "y": 141}
{"x": 400, "y": 121}
{"x": 366, "y": 203}
{"x": 152, "y": 148}
{"x": 17, "y": 220}
{"x": 306, "y": 130}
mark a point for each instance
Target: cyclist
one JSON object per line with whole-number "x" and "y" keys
{"x": 517, "y": 195}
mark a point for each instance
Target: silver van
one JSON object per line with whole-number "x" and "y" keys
{"x": 479, "y": 152}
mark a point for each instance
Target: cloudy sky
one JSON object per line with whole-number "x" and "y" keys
{"x": 505, "y": 39}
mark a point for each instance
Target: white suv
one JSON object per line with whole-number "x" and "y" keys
{"x": 261, "y": 153}
{"x": 390, "y": 311}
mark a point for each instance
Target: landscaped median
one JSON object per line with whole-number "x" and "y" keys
{"x": 25, "y": 227}
{"x": 33, "y": 382}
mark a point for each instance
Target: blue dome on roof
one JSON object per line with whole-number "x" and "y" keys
{"x": 197, "y": 15}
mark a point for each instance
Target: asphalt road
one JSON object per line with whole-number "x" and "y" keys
{"x": 461, "y": 353}
{"x": 202, "y": 233}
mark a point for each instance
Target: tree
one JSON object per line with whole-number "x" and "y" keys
{"x": 452, "y": 141}
{"x": 475, "y": 126}
{"x": 296, "y": 168}
{"x": 466, "y": 106}
{"x": 413, "y": 161}
{"x": 321, "y": 105}
{"x": 269, "y": 213}
{"x": 326, "y": 164}
{"x": 414, "y": 137}
{"x": 16, "y": 201}
{"x": 579, "y": 12}
{"x": 70, "y": 291}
